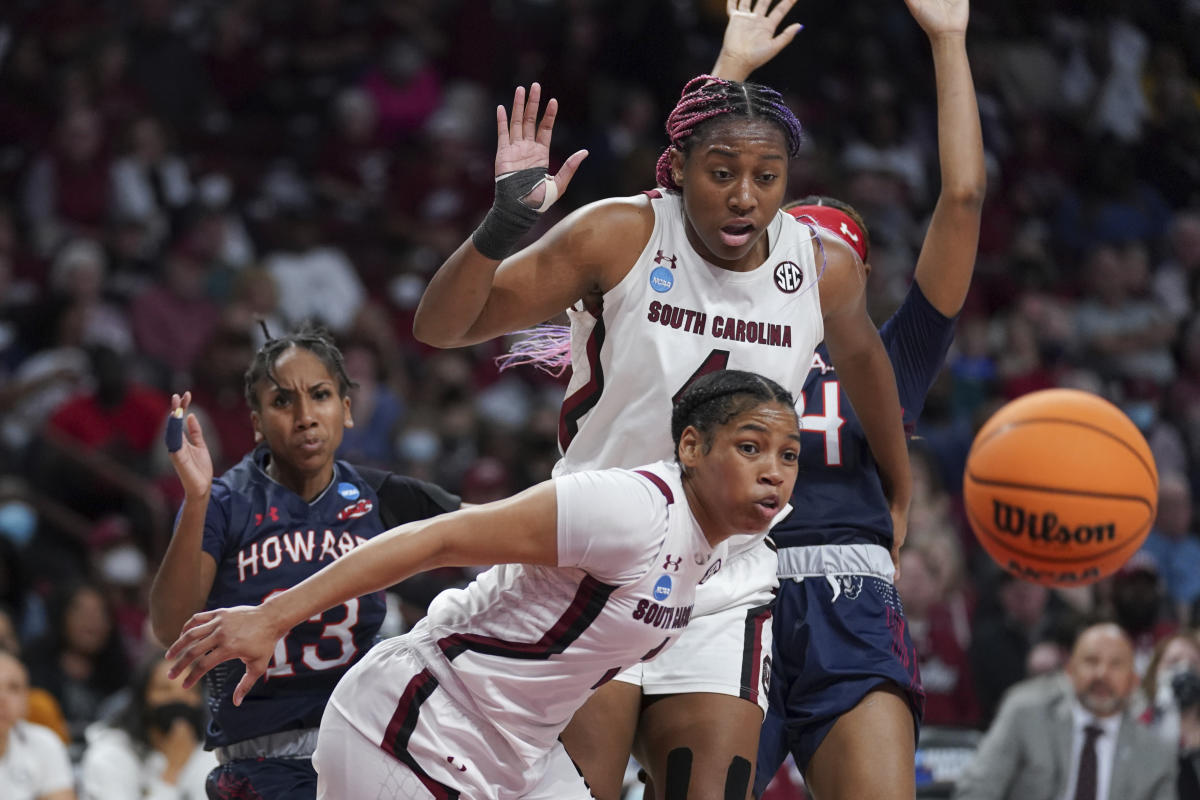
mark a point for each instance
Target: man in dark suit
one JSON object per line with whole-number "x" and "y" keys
{"x": 1070, "y": 736}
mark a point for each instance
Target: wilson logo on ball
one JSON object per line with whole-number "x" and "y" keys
{"x": 1046, "y": 527}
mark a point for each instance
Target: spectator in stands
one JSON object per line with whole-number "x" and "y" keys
{"x": 1012, "y": 616}
{"x": 1173, "y": 544}
{"x": 316, "y": 279}
{"x": 153, "y": 749}
{"x": 945, "y": 671}
{"x": 173, "y": 319}
{"x": 79, "y": 272}
{"x": 33, "y": 762}
{"x": 1121, "y": 334}
{"x": 151, "y": 182}
{"x": 1072, "y": 736}
{"x": 80, "y": 660}
{"x": 69, "y": 186}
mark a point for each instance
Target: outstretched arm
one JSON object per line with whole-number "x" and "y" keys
{"x": 185, "y": 576}
{"x": 750, "y": 39}
{"x": 947, "y": 257}
{"x": 522, "y": 529}
{"x": 865, "y": 371}
{"x": 481, "y": 291}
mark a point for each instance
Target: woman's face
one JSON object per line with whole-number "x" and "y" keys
{"x": 87, "y": 623}
{"x": 746, "y": 476}
{"x": 14, "y": 693}
{"x": 161, "y": 690}
{"x": 1180, "y": 655}
{"x": 301, "y": 417}
{"x": 733, "y": 180}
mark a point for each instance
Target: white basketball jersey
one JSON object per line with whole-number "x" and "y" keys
{"x": 523, "y": 646}
{"x": 673, "y": 318}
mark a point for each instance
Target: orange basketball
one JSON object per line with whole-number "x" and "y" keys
{"x": 1060, "y": 487}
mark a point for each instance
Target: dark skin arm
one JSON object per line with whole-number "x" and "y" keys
{"x": 866, "y": 375}
{"x": 521, "y": 529}
{"x": 473, "y": 298}
{"x": 185, "y": 576}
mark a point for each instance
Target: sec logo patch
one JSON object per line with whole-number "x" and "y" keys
{"x": 788, "y": 276}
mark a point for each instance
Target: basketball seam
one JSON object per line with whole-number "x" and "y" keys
{"x": 1135, "y": 538}
{"x": 1150, "y": 470}
{"x": 1051, "y": 490}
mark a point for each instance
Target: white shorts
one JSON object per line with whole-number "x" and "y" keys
{"x": 434, "y": 747}
{"x": 726, "y": 650}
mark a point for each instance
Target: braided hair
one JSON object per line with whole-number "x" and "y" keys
{"x": 706, "y": 98}
{"x": 714, "y": 399}
{"x": 312, "y": 338}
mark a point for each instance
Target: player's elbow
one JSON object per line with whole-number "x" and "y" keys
{"x": 968, "y": 195}
{"x": 165, "y": 631}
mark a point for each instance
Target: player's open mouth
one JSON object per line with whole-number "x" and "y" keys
{"x": 737, "y": 234}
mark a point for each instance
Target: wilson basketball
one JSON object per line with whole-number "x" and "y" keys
{"x": 1060, "y": 487}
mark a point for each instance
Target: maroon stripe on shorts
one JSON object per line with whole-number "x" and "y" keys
{"x": 400, "y": 730}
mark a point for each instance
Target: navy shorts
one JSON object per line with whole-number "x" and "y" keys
{"x": 837, "y": 638}
{"x": 263, "y": 779}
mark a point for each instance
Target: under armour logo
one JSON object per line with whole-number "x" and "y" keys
{"x": 847, "y": 232}
{"x": 660, "y": 258}
{"x": 273, "y": 514}
{"x": 672, "y": 564}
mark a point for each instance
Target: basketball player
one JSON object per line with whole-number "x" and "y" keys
{"x": 845, "y": 696}
{"x": 704, "y": 273}
{"x": 599, "y": 571}
{"x": 280, "y": 515}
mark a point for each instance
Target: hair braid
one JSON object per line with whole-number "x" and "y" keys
{"x": 705, "y": 98}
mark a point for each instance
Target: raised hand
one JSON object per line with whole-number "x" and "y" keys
{"x": 214, "y": 637}
{"x": 750, "y": 39}
{"x": 940, "y": 17}
{"x": 523, "y": 143}
{"x": 192, "y": 461}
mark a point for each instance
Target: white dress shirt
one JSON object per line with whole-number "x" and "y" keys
{"x": 1106, "y": 750}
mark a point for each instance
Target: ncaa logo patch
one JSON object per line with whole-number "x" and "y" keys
{"x": 788, "y": 276}
{"x": 661, "y": 280}
{"x": 348, "y": 491}
{"x": 662, "y": 588}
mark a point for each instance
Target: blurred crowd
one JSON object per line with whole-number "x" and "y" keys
{"x": 181, "y": 178}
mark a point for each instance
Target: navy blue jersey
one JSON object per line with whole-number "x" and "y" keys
{"x": 265, "y": 539}
{"x": 839, "y": 498}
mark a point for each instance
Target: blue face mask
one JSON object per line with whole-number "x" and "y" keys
{"x": 1143, "y": 415}
{"x": 18, "y": 522}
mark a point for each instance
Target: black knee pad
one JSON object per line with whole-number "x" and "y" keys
{"x": 679, "y": 773}
{"x": 737, "y": 779}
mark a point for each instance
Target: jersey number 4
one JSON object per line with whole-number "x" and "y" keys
{"x": 829, "y": 422}
{"x": 341, "y": 630}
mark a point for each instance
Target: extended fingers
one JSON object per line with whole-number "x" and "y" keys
{"x": 518, "y": 114}
{"x": 501, "y": 127}
{"x": 547, "y": 127}
{"x": 780, "y": 10}
{"x": 563, "y": 178}
{"x": 531, "y": 111}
